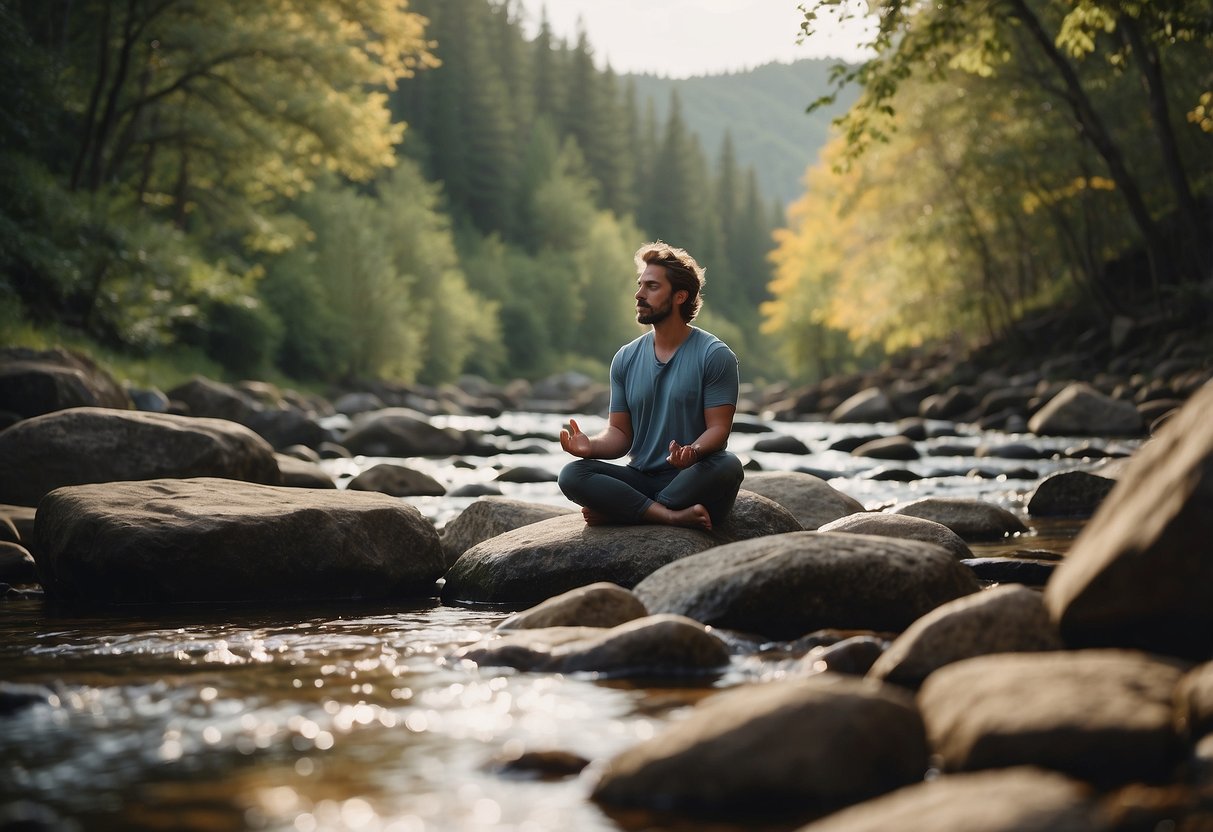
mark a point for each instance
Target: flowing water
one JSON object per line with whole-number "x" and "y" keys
{"x": 356, "y": 717}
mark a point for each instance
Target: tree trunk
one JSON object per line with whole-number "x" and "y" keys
{"x": 94, "y": 98}
{"x": 96, "y": 164}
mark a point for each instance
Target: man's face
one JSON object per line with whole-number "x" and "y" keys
{"x": 654, "y": 296}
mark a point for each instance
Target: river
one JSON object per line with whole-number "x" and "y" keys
{"x": 352, "y": 717}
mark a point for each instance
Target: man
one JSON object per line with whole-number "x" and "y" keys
{"x": 673, "y": 396}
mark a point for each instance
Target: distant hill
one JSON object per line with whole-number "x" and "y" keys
{"x": 764, "y": 108}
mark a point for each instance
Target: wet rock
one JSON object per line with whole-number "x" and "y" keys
{"x": 805, "y": 746}
{"x": 852, "y": 656}
{"x": 214, "y": 540}
{"x": 1081, "y": 410}
{"x": 299, "y": 474}
{"x": 1139, "y": 573}
{"x": 890, "y": 447}
{"x": 539, "y": 560}
{"x": 870, "y": 405}
{"x": 333, "y": 450}
{"x": 475, "y": 489}
{"x": 526, "y": 473}
{"x": 1014, "y": 450}
{"x": 971, "y": 519}
{"x": 953, "y": 404}
{"x": 1194, "y": 703}
{"x": 401, "y": 432}
{"x": 753, "y": 516}
{"x": 1008, "y": 619}
{"x": 545, "y": 764}
{"x": 489, "y": 517}
{"x": 885, "y": 474}
{"x": 91, "y": 444}
{"x": 652, "y": 646}
{"x": 849, "y": 443}
{"x": 1069, "y": 494}
{"x": 20, "y": 518}
{"x": 901, "y": 526}
{"x": 8, "y": 531}
{"x": 1099, "y": 715}
{"x": 397, "y": 481}
{"x": 812, "y": 501}
{"x": 785, "y": 586}
{"x": 597, "y": 605}
{"x": 781, "y": 445}
{"x": 301, "y": 452}
{"x": 34, "y": 382}
{"x": 1018, "y": 570}
{"x": 17, "y": 564}
{"x": 1021, "y": 799}
{"x": 16, "y": 697}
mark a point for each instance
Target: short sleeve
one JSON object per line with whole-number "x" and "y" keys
{"x": 619, "y": 396}
{"x": 721, "y": 382}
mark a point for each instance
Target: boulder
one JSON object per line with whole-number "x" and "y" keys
{"x": 1139, "y": 574}
{"x": 870, "y": 405}
{"x": 92, "y": 444}
{"x": 215, "y": 400}
{"x": 794, "y": 746}
{"x": 300, "y": 474}
{"x": 397, "y": 481}
{"x": 34, "y": 382}
{"x": 490, "y": 516}
{"x": 8, "y": 530}
{"x": 1081, "y": 410}
{"x": 401, "y": 432}
{"x": 653, "y": 646}
{"x": 971, "y": 519}
{"x": 22, "y": 519}
{"x": 1019, "y": 570}
{"x": 812, "y": 500}
{"x": 781, "y": 445}
{"x": 213, "y": 540}
{"x": 352, "y": 404}
{"x": 888, "y": 447}
{"x": 283, "y": 427}
{"x": 526, "y": 473}
{"x": 902, "y": 526}
{"x": 537, "y": 561}
{"x": 953, "y": 404}
{"x": 1007, "y": 619}
{"x": 16, "y": 564}
{"x": 784, "y": 586}
{"x": 1099, "y": 715}
{"x": 753, "y": 516}
{"x": 1021, "y": 799}
{"x": 1069, "y": 494}
{"x": 596, "y": 605}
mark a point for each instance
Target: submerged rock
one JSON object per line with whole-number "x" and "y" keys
{"x": 600, "y": 604}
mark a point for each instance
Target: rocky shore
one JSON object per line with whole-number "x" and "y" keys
{"x": 924, "y": 688}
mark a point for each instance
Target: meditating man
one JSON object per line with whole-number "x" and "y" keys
{"x": 673, "y": 396}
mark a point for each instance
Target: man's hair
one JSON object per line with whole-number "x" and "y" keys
{"x": 680, "y": 269}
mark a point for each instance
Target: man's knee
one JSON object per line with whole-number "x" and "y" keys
{"x": 572, "y": 477}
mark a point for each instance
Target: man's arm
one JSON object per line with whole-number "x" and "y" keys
{"x": 613, "y": 442}
{"x": 719, "y": 422}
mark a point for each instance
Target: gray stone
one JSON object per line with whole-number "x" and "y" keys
{"x": 401, "y": 432}
{"x": 1007, "y": 619}
{"x": 34, "y": 382}
{"x": 1100, "y": 715}
{"x": 1017, "y": 570}
{"x": 397, "y": 481}
{"x": 22, "y": 519}
{"x": 1021, "y": 799}
{"x": 539, "y": 560}
{"x": 597, "y": 605}
{"x": 787, "y": 585}
{"x": 1081, "y": 410}
{"x": 870, "y": 405}
{"x": 526, "y": 473}
{"x": 1139, "y": 574}
{"x": 888, "y": 447}
{"x": 652, "y": 646}
{"x": 353, "y": 404}
{"x": 214, "y": 540}
{"x": 16, "y": 564}
{"x": 92, "y": 444}
{"x": 781, "y": 445}
{"x": 490, "y": 516}
{"x": 1069, "y": 494}
{"x": 215, "y": 400}
{"x": 753, "y": 516}
{"x": 808, "y": 746}
{"x": 812, "y": 500}
{"x": 300, "y": 474}
{"x": 971, "y": 519}
{"x": 901, "y": 526}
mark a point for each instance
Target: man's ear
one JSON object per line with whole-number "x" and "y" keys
{"x": 680, "y": 297}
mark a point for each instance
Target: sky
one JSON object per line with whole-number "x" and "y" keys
{"x": 681, "y": 38}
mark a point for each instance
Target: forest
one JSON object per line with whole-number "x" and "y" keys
{"x": 328, "y": 190}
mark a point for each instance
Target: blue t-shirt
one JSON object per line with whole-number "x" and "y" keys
{"x": 666, "y": 401}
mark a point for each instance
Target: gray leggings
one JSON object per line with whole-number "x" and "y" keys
{"x": 623, "y": 493}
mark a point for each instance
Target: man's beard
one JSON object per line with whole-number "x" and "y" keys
{"x": 654, "y": 316}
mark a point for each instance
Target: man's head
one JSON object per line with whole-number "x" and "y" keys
{"x": 681, "y": 270}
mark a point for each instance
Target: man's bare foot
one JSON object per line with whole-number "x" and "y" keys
{"x": 596, "y": 518}
{"x": 695, "y": 517}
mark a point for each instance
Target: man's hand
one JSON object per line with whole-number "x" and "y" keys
{"x": 682, "y": 456}
{"x": 574, "y": 441}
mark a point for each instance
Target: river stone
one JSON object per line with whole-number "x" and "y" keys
{"x": 1100, "y": 715}
{"x": 300, "y": 474}
{"x": 1006, "y": 619}
{"x": 1194, "y": 703}
{"x": 490, "y": 516}
{"x": 781, "y": 445}
{"x": 597, "y": 605}
{"x": 853, "y": 656}
{"x": 22, "y": 519}
{"x": 1081, "y": 410}
{"x": 8, "y": 530}
{"x": 784, "y": 586}
{"x": 888, "y": 447}
{"x": 401, "y": 432}
{"x": 870, "y": 405}
{"x": 808, "y": 745}
{"x": 397, "y": 481}
{"x": 16, "y": 564}
{"x": 1139, "y": 574}
{"x": 215, "y": 400}
{"x": 283, "y": 427}
{"x": 901, "y": 526}
{"x": 93, "y": 444}
{"x": 34, "y": 382}
{"x": 526, "y": 473}
{"x": 954, "y": 404}
{"x": 1069, "y": 494}
{"x": 753, "y": 515}
{"x": 812, "y": 500}
{"x": 539, "y": 560}
{"x": 1017, "y": 570}
{"x": 352, "y": 404}
{"x": 1021, "y": 799}
{"x": 652, "y": 646}
{"x": 971, "y": 519}
{"x": 215, "y": 540}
